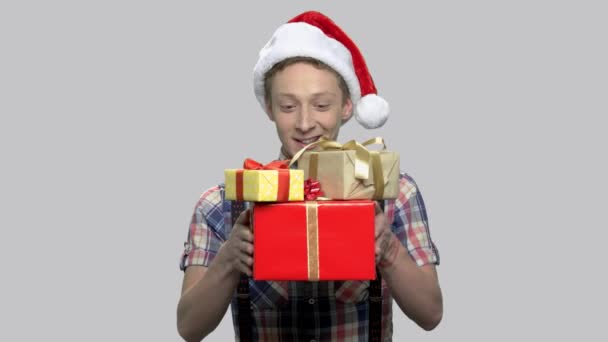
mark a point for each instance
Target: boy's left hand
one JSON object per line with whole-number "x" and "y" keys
{"x": 387, "y": 243}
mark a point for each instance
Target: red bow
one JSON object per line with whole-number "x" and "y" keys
{"x": 251, "y": 164}
{"x": 282, "y": 167}
{"x": 312, "y": 189}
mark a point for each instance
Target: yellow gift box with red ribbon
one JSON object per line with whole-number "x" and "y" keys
{"x": 273, "y": 182}
{"x": 351, "y": 170}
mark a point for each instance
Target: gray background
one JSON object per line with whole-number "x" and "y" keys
{"x": 116, "y": 115}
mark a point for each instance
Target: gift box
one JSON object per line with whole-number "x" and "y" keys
{"x": 314, "y": 240}
{"x": 273, "y": 182}
{"x": 351, "y": 171}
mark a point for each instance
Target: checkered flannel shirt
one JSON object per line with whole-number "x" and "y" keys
{"x": 311, "y": 311}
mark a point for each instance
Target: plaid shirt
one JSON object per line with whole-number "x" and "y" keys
{"x": 311, "y": 311}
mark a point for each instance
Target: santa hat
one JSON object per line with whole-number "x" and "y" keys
{"x": 312, "y": 34}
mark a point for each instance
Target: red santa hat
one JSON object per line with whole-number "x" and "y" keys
{"x": 312, "y": 34}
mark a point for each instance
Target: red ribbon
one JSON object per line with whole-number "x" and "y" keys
{"x": 280, "y": 165}
{"x": 312, "y": 189}
{"x": 250, "y": 164}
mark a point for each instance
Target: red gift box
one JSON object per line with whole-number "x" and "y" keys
{"x": 314, "y": 240}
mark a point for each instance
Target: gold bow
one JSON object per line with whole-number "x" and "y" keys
{"x": 363, "y": 158}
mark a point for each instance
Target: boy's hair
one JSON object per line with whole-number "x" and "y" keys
{"x": 308, "y": 60}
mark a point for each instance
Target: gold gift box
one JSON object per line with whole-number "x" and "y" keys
{"x": 336, "y": 172}
{"x": 263, "y": 185}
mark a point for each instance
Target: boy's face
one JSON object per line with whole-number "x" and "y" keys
{"x": 306, "y": 104}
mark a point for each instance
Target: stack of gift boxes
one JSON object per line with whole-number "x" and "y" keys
{"x": 313, "y": 216}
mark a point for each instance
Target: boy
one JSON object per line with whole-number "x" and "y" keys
{"x": 309, "y": 79}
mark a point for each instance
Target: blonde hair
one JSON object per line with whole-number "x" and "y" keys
{"x": 308, "y": 60}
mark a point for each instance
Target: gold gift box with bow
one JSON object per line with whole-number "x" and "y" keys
{"x": 351, "y": 171}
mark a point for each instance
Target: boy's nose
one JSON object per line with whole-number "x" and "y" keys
{"x": 305, "y": 120}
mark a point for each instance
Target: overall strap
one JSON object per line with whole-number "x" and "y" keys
{"x": 242, "y": 291}
{"x": 375, "y": 308}
{"x": 375, "y": 303}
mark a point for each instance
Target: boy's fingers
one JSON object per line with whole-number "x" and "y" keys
{"x": 378, "y": 231}
{"x": 379, "y": 228}
{"x": 247, "y": 248}
{"x": 377, "y": 209}
{"x": 244, "y": 268}
{"x": 246, "y": 235}
{"x": 244, "y": 218}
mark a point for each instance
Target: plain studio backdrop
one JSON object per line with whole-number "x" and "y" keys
{"x": 117, "y": 115}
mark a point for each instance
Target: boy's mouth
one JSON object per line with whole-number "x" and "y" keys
{"x": 307, "y": 141}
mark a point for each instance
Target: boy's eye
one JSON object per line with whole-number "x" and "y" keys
{"x": 322, "y": 106}
{"x": 287, "y": 108}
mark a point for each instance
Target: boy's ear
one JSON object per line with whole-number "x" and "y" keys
{"x": 347, "y": 110}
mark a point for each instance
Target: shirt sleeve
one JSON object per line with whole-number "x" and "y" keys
{"x": 410, "y": 223}
{"x": 205, "y": 234}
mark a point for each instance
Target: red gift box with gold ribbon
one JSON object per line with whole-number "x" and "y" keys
{"x": 314, "y": 240}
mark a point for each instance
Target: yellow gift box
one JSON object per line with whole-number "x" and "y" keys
{"x": 264, "y": 185}
{"x": 351, "y": 171}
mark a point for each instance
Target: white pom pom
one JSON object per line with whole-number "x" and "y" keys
{"x": 371, "y": 111}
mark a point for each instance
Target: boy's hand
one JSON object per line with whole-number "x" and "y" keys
{"x": 237, "y": 251}
{"x": 387, "y": 244}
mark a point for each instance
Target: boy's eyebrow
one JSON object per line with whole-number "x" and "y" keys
{"x": 286, "y": 94}
{"x": 313, "y": 95}
{"x": 324, "y": 93}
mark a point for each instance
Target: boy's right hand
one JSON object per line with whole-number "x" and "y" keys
{"x": 238, "y": 249}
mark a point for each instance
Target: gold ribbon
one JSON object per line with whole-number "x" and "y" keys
{"x": 313, "y": 165}
{"x": 363, "y": 159}
{"x": 312, "y": 239}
